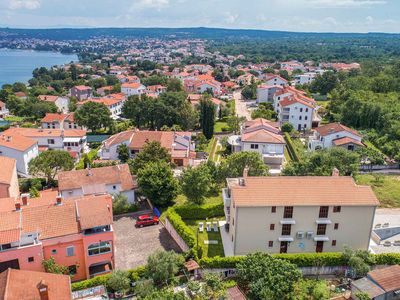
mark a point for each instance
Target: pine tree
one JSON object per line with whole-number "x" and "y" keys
{"x": 207, "y": 117}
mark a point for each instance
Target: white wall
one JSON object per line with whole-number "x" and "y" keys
{"x": 22, "y": 158}
{"x": 264, "y": 148}
{"x": 297, "y": 111}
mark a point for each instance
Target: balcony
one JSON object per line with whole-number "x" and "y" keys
{"x": 321, "y": 239}
{"x": 287, "y": 222}
{"x": 227, "y": 203}
{"x": 97, "y": 230}
{"x": 323, "y": 221}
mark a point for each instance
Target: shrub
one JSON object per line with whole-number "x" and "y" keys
{"x": 181, "y": 228}
{"x": 121, "y": 205}
{"x": 292, "y": 151}
{"x": 118, "y": 281}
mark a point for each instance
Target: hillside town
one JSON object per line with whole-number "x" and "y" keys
{"x": 161, "y": 169}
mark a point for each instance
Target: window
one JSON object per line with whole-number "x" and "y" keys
{"x": 271, "y": 226}
{"x": 72, "y": 269}
{"x": 286, "y": 229}
{"x": 333, "y": 242}
{"x": 288, "y": 212}
{"x": 99, "y": 248}
{"x": 31, "y": 259}
{"x": 306, "y": 118}
{"x": 71, "y": 251}
{"x": 323, "y": 211}
{"x": 50, "y": 141}
{"x": 254, "y": 146}
{"x": 232, "y": 237}
{"x": 54, "y": 251}
{"x": 321, "y": 229}
{"x": 337, "y": 209}
{"x": 299, "y": 117}
{"x": 114, "y": 187}
{"x": 270, "y": 244}
{"x": 306, "y": 109}
{"x": 336, "y": 226}
{"x": 273, "y": 209}
{"x": 301, "y": 109}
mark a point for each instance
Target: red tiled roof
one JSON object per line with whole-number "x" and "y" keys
{"x": 50, "y": 117}
{"x": 49, "y": 98}
{"x": 15, "y": 141}
{"x": 387, "y": 278}
{"x": 82, "y": 87}
{"x": 347, "y": 140}
{"x": 8, "y": 168}
{"x": 334, "y": 128}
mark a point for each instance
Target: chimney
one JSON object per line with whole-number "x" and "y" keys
{"x": 24, "y": 198}
{"x": 43, "y": 290}
{"x": 59, "y": 200}
{"x": 335, "y": 172}
{"x": 17, "y": 206}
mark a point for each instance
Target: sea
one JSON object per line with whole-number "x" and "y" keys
{"x": 17, "y": 65}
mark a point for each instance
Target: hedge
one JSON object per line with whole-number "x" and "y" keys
{"x": 134, "y": 274}
{"x": 292, "y": 151}
{"x": 197, "y": 212}
{"x": 301, "y": 260}
{"x": 181, "y": 228}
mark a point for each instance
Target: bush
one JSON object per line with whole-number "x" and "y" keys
{"x": 287, "y": 127}
{"x": 292, "y": 151}
{"x": 183, "y": 230}
{"x": 197, "y": 212}
{"x": 121, "y": 205}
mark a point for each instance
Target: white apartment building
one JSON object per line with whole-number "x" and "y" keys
{"x": 133, "y": 88}
{"x": 4, "y": 112}
{"x": 274, "y": 80}
{"x": 62, "y": 103}
{"x": 305, "y": 78}
{"x": 20, "y": 148}
{"x": 59, "y": 121}
{"x": 292, "y": 214}
{"x": 263, "y": 137}
{"x": 265, "y": 93}
{"x": 335, "y": 135}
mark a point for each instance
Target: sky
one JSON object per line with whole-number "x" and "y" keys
{"x": 287, "y": 15}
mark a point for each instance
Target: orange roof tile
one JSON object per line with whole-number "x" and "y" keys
{"x": 22, "y": 284}
{"x": 387, "y": 278}
{"x": 346, "y": 140}
{"x": 334, "y": 128}
{"x": 49, "y": 98}
{"x": 8, "y": 167}
{"x": 15, "y": 141}
{"x": 131, "y": 85}
{"x": 49, "y": 117}
{"x": 302, "y": 191}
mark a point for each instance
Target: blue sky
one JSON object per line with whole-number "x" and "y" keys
{"x": 292, "y": 15}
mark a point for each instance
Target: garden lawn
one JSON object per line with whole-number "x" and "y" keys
{"x": 91, "y": 155}
{"x": 181, "y": 199}
{"x": 299, "y": 147}
{"x": 208, "y": 250}
{"x": 220, "y": 126}
{"x": 386, "y": 188}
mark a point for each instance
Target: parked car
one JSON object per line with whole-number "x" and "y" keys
{"x": 146, "y": 220}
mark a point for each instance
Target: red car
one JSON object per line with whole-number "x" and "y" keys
{"x": 146, "y": 220}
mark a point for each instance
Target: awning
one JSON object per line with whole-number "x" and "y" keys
{"x": 291, "y": 222}
{"x": 285, "y": 239}
{"x": 71, "y": 139}
{"x": 323, "y": 221}
{"x": 321, "y": 239}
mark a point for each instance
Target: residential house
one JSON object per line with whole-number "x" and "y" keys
{"x": 81, "y": 92}
{"x": 21, "y": 284}
{"x": 305, "y": 78}
{"x": 263, "y": 137}
{"x": 20, "y": 148}
{"x": 294, "y": 107}
{"x": 105, "y": 180}
{"x": 102, "y": 91}
{"x": 379, "y": 284}
{"x": 292, "y": 65}
{"x": 59, "y": 121}
{"x": 265, "y": 93}
{"x": 21, "y": 95}
{"x": 77, "y": 233}
{"x": 194, "y": 100}
{"x": 9, "y": 186}
{"x": 335, "y": 135}
{"x": 178, "y": 144}
{"x": 72, "y": 140}
{"x": 114, "y": 105}
{"x": 130, "y": 89}
{"x": 297, "y": 214}
{"x": 62, "y": 103}
{"x": 4, "y": 112}
{"x": 156, "y": 89}
{"x": 275, "y": 80}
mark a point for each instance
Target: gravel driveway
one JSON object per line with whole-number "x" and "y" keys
{"x": 133, "y": 245}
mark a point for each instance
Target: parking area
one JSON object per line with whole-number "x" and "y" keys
{"x": 134, "y": 245}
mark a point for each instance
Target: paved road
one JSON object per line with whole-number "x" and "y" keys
{"x": 240, "y": 106}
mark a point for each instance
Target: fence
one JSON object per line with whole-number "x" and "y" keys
{"x": 177, "y": 238}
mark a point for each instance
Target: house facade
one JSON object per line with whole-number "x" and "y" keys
{"x": 9, "y": 186}
{"x": 81, "y": 92}
{"x": 4, "y": 112}
{"x": 62, "y": 103}
{"x": 263, "y": 137}
{"x": 335, "y": 135}
{"x": 59, "y": 121}
{"x": 77, "y": 233}
{"x": 133, "y": 88}
{"x": 105, "y": 180}
{"x": 265, "y": 93}
{"x": 291, "y": 214}
{"x": 20, "y": 148}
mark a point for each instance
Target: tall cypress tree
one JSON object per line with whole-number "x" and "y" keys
{"x": 207, "y": 116}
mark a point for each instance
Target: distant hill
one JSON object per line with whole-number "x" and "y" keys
{"x": 200, "y": 32}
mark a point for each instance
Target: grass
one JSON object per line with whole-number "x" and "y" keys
{"x": 210, "y": 145}
{"x": 13, "y": 119}
{"x": 220, "y": 126}
{"x": 386, "y": 188}
{"x": 91, "y": 155}
{"x": 208, "y": 250}
{"x": 181, "y": 199}
{"x": 299, "y": 147}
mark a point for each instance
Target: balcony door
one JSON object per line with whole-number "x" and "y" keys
{"x": 320, "y": 246}
{"x": 284, "y": 246}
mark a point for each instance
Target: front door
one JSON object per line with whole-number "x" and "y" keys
{"x": 284, "y": 246}
{"x": 320, "y": 246}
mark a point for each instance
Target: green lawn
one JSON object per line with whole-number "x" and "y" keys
{"x": 13, "y": 119}
{"x": 208, "y": 250}
{"x": 299, "y": 147}
{"x": 219, "y": 125}
{"x": 210, "y": 145}
{"x": 91, "y": 155}
{"x": 181, "y": 199}
{"x": 386, "y": 188}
